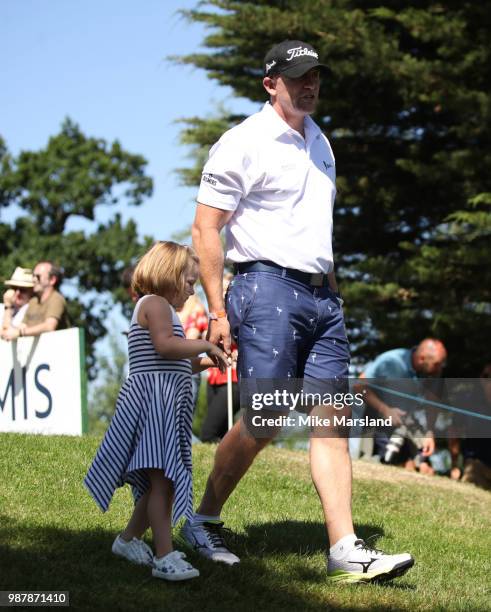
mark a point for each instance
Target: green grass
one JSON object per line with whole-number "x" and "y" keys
{"x": 52, "y": 536}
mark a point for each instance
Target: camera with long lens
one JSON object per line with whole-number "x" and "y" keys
{"x": 410, "y": 434}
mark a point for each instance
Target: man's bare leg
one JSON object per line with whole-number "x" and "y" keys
{"x": 233, "y": 457}
{"x": 349, "y": 559}
{"x": 330, "y": 466}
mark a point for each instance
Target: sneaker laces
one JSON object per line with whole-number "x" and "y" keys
{"x": 365, "y": 545}
{"x": 180, "y": 563}
{"x": 175, "y": 560}
{"x": 143, "y": 548}
{"x": 215, "y": 532}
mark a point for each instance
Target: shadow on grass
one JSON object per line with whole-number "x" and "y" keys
{"x": 300, "y": 538}
{"x": 297, "y": 537}
{"x": 273, "y": 574}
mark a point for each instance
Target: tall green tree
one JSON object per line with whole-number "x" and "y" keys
{"x": 407, "y": 109}
{"x": 74, "y": 176}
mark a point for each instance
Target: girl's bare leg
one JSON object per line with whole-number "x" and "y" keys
{"x": 159, "y": 511}
{"x": 138, "y": 523}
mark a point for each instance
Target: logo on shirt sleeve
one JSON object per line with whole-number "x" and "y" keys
{"x": 207, "y": 177}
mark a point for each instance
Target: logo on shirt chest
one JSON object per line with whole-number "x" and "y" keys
{"x": 327, "y": 165}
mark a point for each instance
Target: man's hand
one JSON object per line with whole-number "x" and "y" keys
{"x": 373, "y": 400}
{"x": 455, "y": 473}
{"x": 8, "y": 298}
{"x": 219, "y": 358}
{"x": 219, "y": 333}
{"x": 396, "y": 415}
{"x": 11, "y": 333}
{"x": 428, "y": 445}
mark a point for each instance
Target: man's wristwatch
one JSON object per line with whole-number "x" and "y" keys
{"x": 219, "y": 314}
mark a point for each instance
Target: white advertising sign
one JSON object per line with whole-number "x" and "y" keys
{"x": 43, "y": 384}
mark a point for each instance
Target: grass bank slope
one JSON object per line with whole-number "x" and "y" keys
{"x": 52, "y": 536}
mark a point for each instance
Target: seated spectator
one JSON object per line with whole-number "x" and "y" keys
{"x": 477, "y": 451}
{"x": 16, "y": 298}
{"x": 47, "y": 308}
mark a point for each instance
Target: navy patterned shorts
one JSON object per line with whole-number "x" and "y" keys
{"x": 286, "y": 329}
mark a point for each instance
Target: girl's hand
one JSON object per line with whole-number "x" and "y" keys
{"x": 218, "y": 357}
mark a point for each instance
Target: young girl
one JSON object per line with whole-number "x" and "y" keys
{"x": 148, "y": 443}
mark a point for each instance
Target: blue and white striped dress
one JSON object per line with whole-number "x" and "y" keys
{"x": 151, "y": 427}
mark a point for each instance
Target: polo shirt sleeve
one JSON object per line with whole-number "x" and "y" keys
{"x": 56, "y": 307}
{"x": 227, "y": 175}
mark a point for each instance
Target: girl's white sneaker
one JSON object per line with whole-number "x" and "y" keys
{"x": 136, "y": 551}
{"x": 173, "y": 567}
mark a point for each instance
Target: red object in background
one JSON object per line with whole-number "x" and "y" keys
{"x": 215, "y": 377}
{"x": 196, "y": 320}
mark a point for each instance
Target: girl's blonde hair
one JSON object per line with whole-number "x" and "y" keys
{"x": 161, "y": 271}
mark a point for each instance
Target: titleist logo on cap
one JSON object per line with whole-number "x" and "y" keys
{"x": 298, "y": 51}
{"x": 291, "y": 58}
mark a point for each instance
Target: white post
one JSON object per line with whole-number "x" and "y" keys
{"x": 229, "y": 398}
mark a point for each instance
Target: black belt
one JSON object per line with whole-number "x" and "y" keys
{"x": 307, "y": 278}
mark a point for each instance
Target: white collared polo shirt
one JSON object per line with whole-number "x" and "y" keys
{"x": 281, "y": 188}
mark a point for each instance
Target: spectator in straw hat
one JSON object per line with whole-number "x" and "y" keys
{"x": 16, "y": 298}
{"x": 47, "y": 308}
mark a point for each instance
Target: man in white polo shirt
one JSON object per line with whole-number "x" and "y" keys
{"x": 271, "y": 182}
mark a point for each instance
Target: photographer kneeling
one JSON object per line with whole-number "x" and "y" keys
{"x": 408, "y": 443}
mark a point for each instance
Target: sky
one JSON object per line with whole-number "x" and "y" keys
{"x": 103, "y": 63}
